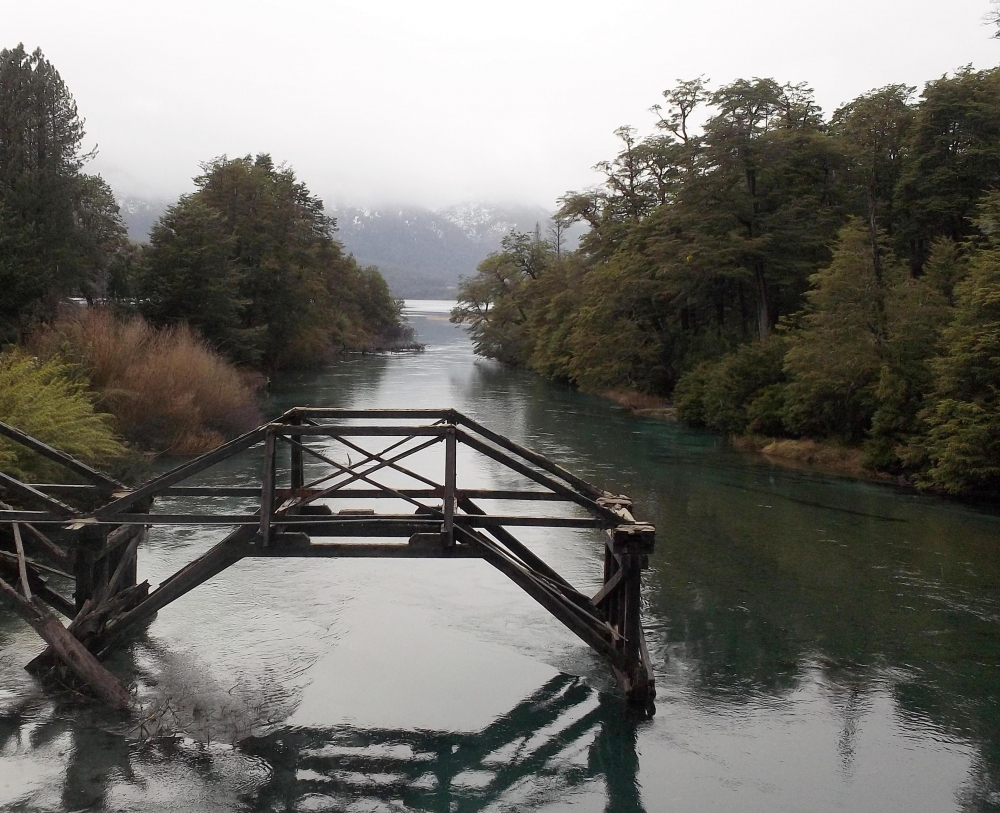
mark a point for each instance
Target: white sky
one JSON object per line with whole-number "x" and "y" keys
{"x": 436, "y": 102}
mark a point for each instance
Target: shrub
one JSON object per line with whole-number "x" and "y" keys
{"x": 167, "y": 389}
{"x": 43, "y": 399}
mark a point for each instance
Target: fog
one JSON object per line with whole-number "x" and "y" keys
{"x": 430, "y": 103}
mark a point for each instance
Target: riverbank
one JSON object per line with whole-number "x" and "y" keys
{"x": 803, "y": 454}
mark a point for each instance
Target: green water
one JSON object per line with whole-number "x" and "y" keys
{"x": 820, "y": 645}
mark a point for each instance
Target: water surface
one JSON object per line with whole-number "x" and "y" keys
{"x": 820, "y": 644}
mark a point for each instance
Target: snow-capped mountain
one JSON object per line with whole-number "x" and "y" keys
{"x": 420, "y": 252}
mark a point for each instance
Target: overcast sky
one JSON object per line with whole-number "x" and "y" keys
{"x": 437, "y": 102}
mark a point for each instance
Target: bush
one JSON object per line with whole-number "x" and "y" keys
{"x": 167, "y": 389}
{"x": 719, "y": 394}
{"x": 43, "y": 399}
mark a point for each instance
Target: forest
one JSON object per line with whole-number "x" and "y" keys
{"x": 782, "y": 273}
{"x": 108, "y": 344}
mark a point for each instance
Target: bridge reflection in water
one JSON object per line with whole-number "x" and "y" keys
{"x": 554, "y": 741}
{"x": 565, "y": 740}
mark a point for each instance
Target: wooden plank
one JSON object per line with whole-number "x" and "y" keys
{"x": 539, "y": 460}
{"x": 199, "y": 464}
{"x": 227, "y": 552}
{"x": 590, "y": 631}
{"x": 344, "y": 430}
{"x": 399, "y": 414}
{"x": 36, "y": 565}
{"x": 24, "y": 490}
{"x": 450, "y": 474}
{"x": 122, "y": 569}
{"x": 39, "y": 587}
{"x": 67, "y": 648}
{"x": 609, "y": 587}
{"x": 336, "y": 519}
{"x": 350, "y": 493}
{"x": 22, "y": 566}
{"x": 39, "y": 517}
{"x": 267, "y": 488}
{"x": 82, "y": 469}
{"x": 516, "y": 547}
{"x": 360, "y": 550}
{"x": 298, "y": 479}
{"x": 559, "y": 488}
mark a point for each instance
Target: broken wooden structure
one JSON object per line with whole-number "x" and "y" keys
{"x": 319, "y": 479}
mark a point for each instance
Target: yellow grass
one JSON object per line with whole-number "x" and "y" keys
{"x": 167, "y": 389}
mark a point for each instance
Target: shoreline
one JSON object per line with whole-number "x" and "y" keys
{"x": 802, "y": 455}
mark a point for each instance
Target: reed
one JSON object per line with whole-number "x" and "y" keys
{"x": 167, "y": 389}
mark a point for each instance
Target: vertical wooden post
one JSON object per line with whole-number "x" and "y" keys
{"x": 87, "y": 543}
{"x": 633, "y": 610}
{"x": 450, "y": 475}
{"x": 267, "y": 488}
{"x": 298, "y": 478}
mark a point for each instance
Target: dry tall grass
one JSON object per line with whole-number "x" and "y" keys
{"x": 167, "y": 389}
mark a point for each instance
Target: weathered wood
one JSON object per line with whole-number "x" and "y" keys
{"x": 539, "y": 460}
{"x": 67, "y": 648}
{"x": 359, "y": 550}
{"x": 297, "y": 474}
{"x": 70, "y": 463}
{"x": 559, "y": 488}
{"x": 591, "y": 631}
{"x": 511, "y": 542}
{"x": 339, "y": 519}
{"x": 267, "y": 488}
{"x": 450, "y": 474}
{"x": 123, "y": 568}
{"x": 15, "y": 486}
{"x": 378, "y": 456}
{"x": 214, "y": 561}
{"x": 39, "y": 587}
{"x": 609, "y": 587}
{"x": 36, "y": 565}
{"x": 182, "y": 472}
{"x": 346, "y": 430}
{"x": 21, "y": 564}
{"x": 389, "y": 414}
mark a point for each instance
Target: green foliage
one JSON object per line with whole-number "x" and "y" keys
{"x": 60, "y": 230}
{"x": 46, "y": 400}
{"x": 963, "y": 441}
{"x": 952, "y": 159}
{"x": 249, "y": 259}
{"x": 737, "y": 393}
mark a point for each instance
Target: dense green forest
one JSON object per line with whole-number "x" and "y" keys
{"x": 244, "y": 271}
{"x": 249, "y": 259}
{"x": 783, "y": 273}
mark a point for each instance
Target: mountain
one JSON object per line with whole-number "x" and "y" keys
{"x": 140, "y": 215}
{"x": 420, "y": 252}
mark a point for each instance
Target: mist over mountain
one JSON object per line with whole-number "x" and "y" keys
{"x": 420, "y": 252}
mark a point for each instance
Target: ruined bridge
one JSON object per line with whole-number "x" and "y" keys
{"x": 91, "y": 528}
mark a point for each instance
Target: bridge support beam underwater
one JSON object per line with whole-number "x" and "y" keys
{"x": 321, "y": 472}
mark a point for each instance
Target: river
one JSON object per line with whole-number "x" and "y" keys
{"x": 820, "y": 644}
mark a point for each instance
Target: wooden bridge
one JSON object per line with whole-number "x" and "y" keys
{"x": 332, "y": 464}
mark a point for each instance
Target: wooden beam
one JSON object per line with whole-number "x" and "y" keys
{"x": 267, "y": 488}
{"x": 39, "y": 587}
{"x": 67, "y": 648}
{"x": 539, "y": 460}
{"x": 450, "y": 474}
{"x": 609, "y": 587}
{"x": 389, "y": 414}
{"x": 24, "y": 490}
{"x": 22, "y": 566}
{"x": 227, "y": 552}
{"x": 593, "y": 632}
{"x": 156, "y": 485}
{"x": 281, "y": 548}
{"x": 516, "y": 547}
{"x": 559, "y": 488}
{"x": 332, "y": 430}
{"x": 82, "y": 469}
